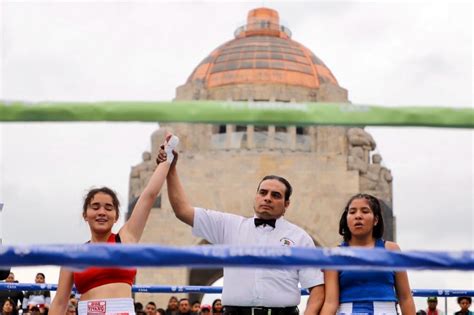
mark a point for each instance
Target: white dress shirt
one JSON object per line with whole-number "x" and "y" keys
{"x": 257, "y": 286}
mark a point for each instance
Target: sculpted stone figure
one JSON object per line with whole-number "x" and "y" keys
{"x": 360, "y": 138}
{"x": 356, "y": 160}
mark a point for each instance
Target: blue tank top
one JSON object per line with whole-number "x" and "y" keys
{"x": 357, "y": 286}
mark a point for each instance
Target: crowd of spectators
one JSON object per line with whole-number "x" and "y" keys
{"x": 180, "y": 307}
{"x": 37, "y": 302}
{"x": 464, "y": 303}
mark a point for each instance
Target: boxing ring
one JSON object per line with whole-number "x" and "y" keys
{"x": 208, "y": 256}
{"x": 122, "y": 255}
{"x": 264, "y": 113}
{"x": 214, "y": 289}
{"x": 301, "y": 114}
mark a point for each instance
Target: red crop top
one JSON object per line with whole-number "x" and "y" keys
{"x": 94, "y": 277}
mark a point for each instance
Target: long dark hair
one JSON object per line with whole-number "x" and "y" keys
{"x": 374, "y": 205}
{"x": 214, "y": 306}
{"x": 12, "y": 303}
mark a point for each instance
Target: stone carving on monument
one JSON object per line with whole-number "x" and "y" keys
{"x": 221, "y": 165}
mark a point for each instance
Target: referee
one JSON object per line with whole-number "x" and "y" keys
{"x": 254, "y": 291}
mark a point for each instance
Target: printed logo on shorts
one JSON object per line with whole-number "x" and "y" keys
{"x": 96, "y": 307}
{"x": 286, "y": 242}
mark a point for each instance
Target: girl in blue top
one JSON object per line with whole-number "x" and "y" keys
{"x": 365, "y": 292}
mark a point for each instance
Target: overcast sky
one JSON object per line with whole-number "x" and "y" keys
{"x": 392, "y": 54}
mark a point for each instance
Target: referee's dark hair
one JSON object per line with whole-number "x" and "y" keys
{"x": 282, "y": 180}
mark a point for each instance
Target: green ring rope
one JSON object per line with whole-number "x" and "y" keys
{"x": 222, "y": 112}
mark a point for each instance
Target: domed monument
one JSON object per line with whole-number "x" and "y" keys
{"x": 221, "y": 165}
{"x": 262, "y": 63}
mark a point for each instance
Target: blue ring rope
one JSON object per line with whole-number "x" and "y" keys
{"x": 213, "y": 290}
{"x": 211, "y": 256}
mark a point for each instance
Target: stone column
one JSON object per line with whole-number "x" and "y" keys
{"x": 229, "y": 131}
{"x": 250, "y": 137}
{"x": 292, "y": 135}
{"x": 271, "y": 137}
{"x": 313, "y": 136}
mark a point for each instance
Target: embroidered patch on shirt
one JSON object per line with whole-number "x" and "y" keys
{"x": 287, "y": 242}
{"x": 96, "y": 307}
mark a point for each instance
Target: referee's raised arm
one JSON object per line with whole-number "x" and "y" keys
{"x": 177, "y": 197}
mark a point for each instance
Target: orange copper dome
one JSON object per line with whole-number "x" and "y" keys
{"x": 262, "y": 52}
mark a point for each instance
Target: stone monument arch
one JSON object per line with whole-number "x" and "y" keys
{"x": 220, "y": 166}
